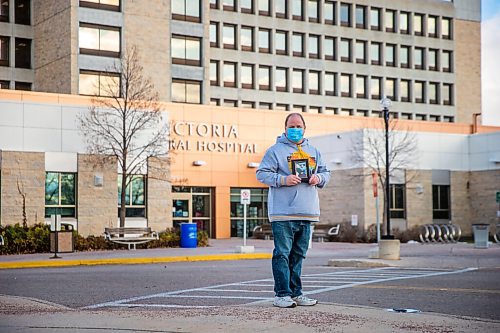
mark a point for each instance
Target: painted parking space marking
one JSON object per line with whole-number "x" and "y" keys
{"x": 261, "y": 290}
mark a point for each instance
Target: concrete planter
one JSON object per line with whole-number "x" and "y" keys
{"x": 389, "y": 249}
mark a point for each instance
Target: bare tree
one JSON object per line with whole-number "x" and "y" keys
{"x": 127, "y": 123}
{"x": 369, "y": 152}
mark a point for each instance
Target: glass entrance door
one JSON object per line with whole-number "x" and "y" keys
{"x": 181, "y": 208}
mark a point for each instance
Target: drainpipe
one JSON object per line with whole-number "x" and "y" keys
{"x": 474, "y": 122}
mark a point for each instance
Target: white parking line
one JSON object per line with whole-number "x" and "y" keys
{"x": 312, "y": 284}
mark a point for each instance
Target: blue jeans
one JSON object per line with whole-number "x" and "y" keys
{"x": 291, "y": 240}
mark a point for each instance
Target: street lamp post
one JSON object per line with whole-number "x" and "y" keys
{"x": 386, "y": 103}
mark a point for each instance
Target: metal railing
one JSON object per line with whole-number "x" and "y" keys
{"x": 444, "y": 233}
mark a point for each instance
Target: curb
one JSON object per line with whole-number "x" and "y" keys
{"x": 131, "y": 261}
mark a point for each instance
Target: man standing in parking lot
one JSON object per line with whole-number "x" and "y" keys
{"x": 293, "y": 204}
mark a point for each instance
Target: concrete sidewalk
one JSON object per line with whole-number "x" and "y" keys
{"x": 31, "y": 315}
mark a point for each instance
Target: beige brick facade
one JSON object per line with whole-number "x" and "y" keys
{"x": 461, "y": 208}
{"x": 467, "y": 36}
{"x": 418, "y": 197}
{"x": 97, "y": 205}
{"x": 159, "y": 205}
{"x": 26, "y": 170}
{"x": 483, "y": 188}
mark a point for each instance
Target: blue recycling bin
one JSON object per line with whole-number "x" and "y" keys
{"x": 188, "y": 235}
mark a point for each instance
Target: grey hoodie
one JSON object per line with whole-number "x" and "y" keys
{"x": 299, "y": 202}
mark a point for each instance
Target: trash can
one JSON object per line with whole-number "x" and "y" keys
{"x": 481, "y": 234}
{"x": 64, "y": 237}
{"x": 188, "y": 235}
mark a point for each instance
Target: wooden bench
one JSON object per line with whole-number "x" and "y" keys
{"x": 263, "y": 231}
{"x": 322, "y": 231}
{"x": 130, "y": 236}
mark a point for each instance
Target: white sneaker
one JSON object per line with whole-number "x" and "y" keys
{"x": 284, "y": 302}
{"x": 305, "y": 301}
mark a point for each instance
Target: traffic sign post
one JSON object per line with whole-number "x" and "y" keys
{"x": 245, "y": 200}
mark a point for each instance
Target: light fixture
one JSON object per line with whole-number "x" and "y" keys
{"x": 419, "y": 189}
{"x": 199, "y": 163}
{"x": 98, "y": 181}
{"x": 253, "y": 165}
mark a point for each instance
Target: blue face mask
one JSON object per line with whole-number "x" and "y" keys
{"x": 295, "y": 134}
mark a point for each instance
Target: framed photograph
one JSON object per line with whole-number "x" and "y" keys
{"x": 301, "y": 169}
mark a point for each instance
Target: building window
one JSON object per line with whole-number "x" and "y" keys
{"x": 280, "y": 8}
{"x": 4, "y": 51}
{"x": 446, "y": 57}
{"x": 281, "y": 42}
{"x": 375, "y": 18}
{"x": 214, "y": 34}
{"x": 404, "y": 56}
{"x": 398, "y": 206}
{"x": 448, "y": 119}
{"x": 230, "y": 103}
{"x": 265, "y": 106}
{"x": 345, "y": 50}
{"x": 407, "y": 116}
{"x": 313, "y": 47}
{"x": 315, "y": 109}
{"x": 264, "y": 8}
{"x": 447, "y": 93}
{"x": 186, "y": 50}
{"x": 214, "y": 73}
{"x": 185, "y": 91}
{"x": 23, "y": 53}
{"x": 27, "y": 86}
{"x": 446, "y": 28}
{"x": 228, "y": 36}
{"x": 281, "y": 79}
{"x": 390, "y": 55}
{"x": 298, "y": 108}
{"x": 360, "y": 52}
{"x": 345, "y": 15}
{"x": 375, "y": 49}
{"x": 432, "y": 26}
{"x": 247, "y": 105}
{"x": 389, "y": 20}
{"x": 314, "y": 87}
{"x": 60, "y": 194}
{"x": 433, "y": 89}
{"x": 441, "y": 202}
{"x": 329, "y": 12}
{"x": 214, "y": 4}
{"x": 265, "y": 77}
{"x": 313, "y": 10}
{"x": 329, "y": 83}
{"x": 229, "y": 5}
{"x": 435, "y": 118}
{"x": 360, "y": 17}
{"x": 432, "y": 60}
{"x": 99, "y": 40}
{"x": 246, "y": 39}
{"x": 361, "y": 86}
{"x": 22, "y": 12}
{"x": 4, "y": 84}
{"x": 256, "y": 211}
{"x": 135, "y": 196}
{"x": 297, "y": 10}
{"x": 419, "y": 58}
{"x": 113, "y": 5}
{"x": 215, "y": 101}
{"x": 247, "y": 6}
{"x": 298, "y": 81}
{"x": 229, "y": 74}
{"x": 264, "y": 41}
{"x": 418, "y": 24}
{"x": 419, "y": 91}
{"x": 421, "y": 117}
{"x": 282, "y": 107}
{"x": 345, "y": 85}
{"x": 390, "y": 88}
{"x": 247, "y": 76}
{"x": 186, "y": 10}
{"x": 298, "y": 44}
{"x": 99, "y": 84}
{"x": 376, "y": 87}
{"x": 4, "y": 11}
{"x": 345, "y": 112}
{"x": 404, "y": 22}
{"x": 404, "y": 90}
{"x": 329, "y": 48}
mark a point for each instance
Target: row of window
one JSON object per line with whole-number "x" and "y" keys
{"x": 22, "y": 54}
{"x": 99, "y": 40}
{"x": 60, "y": 195}
{"x": 329, "y": 110}
{"x": 440, "y": 201}
{"x": 18, "y": 85}
{"x": 22, "y": 11}
{"x": 344, "y": 14}
{"x": 322, "y": 47}
{"x": 283, "y": 79}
